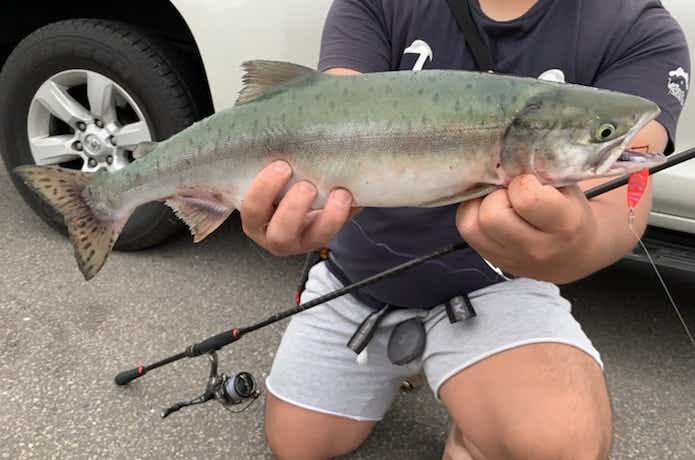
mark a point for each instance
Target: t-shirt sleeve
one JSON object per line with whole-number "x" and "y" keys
{"x": 355, "y": 36}
{"x": 650, "y": 59}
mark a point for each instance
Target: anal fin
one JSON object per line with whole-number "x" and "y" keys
{"x": 203, "y": 212}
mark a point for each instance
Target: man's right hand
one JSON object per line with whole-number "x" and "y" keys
{"x": 291, "y": 227}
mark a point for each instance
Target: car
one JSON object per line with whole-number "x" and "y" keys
{"x": 82, "y": 83}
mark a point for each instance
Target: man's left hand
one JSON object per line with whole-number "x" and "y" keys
{"x": 531, "y": 229}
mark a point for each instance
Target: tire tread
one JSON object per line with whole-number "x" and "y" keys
{"x": 149, "y": 51}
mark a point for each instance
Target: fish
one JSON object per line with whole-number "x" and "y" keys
{"x": 393, "y": 139}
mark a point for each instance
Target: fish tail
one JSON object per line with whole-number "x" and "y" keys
{"x": 62, "y": 189}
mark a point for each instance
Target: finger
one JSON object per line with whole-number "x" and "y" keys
{"x": 329, "y": 221}
{"x": 257, "y": 206}
{"x": 311, "y": 216}
{"x": 468, "y": 224}
{"x": 287, "y": 223}
{"x": 543, "y": 206}
{"x": 500, "y": 221}
{"x": 314, "y": 213}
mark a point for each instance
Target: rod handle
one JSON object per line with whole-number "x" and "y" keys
{"x": 125, "y": 377}
{"x": 213, "y": 343}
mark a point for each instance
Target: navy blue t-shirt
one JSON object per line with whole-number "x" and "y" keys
{"x": 633, "y": 46}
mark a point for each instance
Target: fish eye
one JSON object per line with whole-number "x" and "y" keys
{"x": 605, "y": 131}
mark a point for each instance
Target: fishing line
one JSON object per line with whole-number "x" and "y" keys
{"x": 661, "y": 279}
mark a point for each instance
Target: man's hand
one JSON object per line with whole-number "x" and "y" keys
{"x": 530, "y": 229}
{"x": 556, "y": 235}
{"x": 292, "y": 227}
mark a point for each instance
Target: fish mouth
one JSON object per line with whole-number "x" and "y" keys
{"x": 631, "y": 161}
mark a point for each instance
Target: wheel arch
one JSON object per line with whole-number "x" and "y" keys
{"x": 160, "y": 17}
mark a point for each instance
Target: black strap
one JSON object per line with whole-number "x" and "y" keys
{"x": 481, "y": 53}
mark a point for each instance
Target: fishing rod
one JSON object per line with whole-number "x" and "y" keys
{"x": 233, "y": 390}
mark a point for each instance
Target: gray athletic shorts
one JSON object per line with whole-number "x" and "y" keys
{"x": 314, "y": 369}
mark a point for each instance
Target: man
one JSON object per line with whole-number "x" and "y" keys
{"x": 521, "y": 380}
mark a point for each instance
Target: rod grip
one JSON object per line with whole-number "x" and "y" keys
{"x": 125, "y": 377}
{"x": 213, "y": 343}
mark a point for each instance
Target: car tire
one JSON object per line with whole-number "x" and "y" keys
{"x": 153, "y": 73}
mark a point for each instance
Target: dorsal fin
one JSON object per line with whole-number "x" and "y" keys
{"x": 261, "y": 76}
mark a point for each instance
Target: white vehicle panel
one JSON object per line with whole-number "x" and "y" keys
{"x": 674, "y": 188}
{"x": 229, "y": 32}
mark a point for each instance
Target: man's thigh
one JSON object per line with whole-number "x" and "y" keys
{"x": 520, "y": 375}
{"x": 540, "y": 401}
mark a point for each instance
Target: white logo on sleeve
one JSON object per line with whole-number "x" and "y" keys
{"x": 423, "y": 49}
{"x": 678, "y": 82}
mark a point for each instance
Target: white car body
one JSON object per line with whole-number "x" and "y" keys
{"x": 228, "y": 32}
{"x": 674, "y": 188}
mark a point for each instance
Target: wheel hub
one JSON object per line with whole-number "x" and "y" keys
{"x": 98, "y": 137}
{"x": 97, "y": 143}
{"x": 93, "y": 145}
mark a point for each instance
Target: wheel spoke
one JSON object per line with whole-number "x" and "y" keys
{"x": 100, "y": 92}
{"x": 130, "y": 135}
{"x": 57, "y": 101}
{"x": 51, "y": 150}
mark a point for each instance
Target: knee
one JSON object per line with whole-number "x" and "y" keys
{"x": 530, "y": 443}
{"x": 568, "y": 434}
{"x": 296, "y": 433}
{"x": 287, "y": 444}
{"x": 295, "y": 444}
{"x": 580, "y": 438}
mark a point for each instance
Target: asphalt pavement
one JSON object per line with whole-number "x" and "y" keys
{"x": 62, "y": 340}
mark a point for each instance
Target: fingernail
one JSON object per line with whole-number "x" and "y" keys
{"x": 306, "y": 187}
{"x": 281, "y": 167}
{"x": 341, "y": 197}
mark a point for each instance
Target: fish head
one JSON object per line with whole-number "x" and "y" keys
{"x": 567, "y": 133}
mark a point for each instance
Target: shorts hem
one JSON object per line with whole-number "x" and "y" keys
{"x": 594, "y": 354}
{"x": 319, "y": 410}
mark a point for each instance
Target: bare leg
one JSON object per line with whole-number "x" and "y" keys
{"x": 539, "y": 401}
{"x": 297, "y": 433}
{"x": 456, "y": 446}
